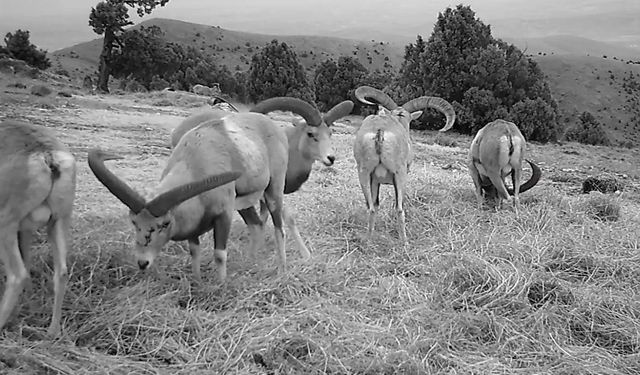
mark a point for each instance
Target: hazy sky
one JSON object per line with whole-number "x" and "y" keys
{"x": 60, "y": 23}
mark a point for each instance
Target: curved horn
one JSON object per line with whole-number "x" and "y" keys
{"x": 284, "y": 103}
{"x": 116, "y": 186}
{"x": 161, "y": 204}
{"x": 364, "y": 92}
{"x": 338, "y": 111}
{"x": 433, "y": 102}
{"x": 217, "y": 99}
{"x": 535, "y": 177}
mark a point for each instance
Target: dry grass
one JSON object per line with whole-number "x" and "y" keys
{"x": 554, "y": 291}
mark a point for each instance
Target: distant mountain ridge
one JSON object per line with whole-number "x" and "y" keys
{"x": 573, "y": 45}
{"x": 235, "y": 48}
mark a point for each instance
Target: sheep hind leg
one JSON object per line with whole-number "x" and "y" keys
{"x": 58, "y": 232}
{"x": 15, "y": 271}
{"x": 366, "y": 183}
{"x": 498, "y": 183}
{"x": 25, "y": 239}
{"x": 399, "y": 180}
{"x": 515, "y": 178}
{"x": 477, "y": 182}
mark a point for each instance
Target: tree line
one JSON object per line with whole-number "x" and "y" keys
{"x": 483, "y": 77}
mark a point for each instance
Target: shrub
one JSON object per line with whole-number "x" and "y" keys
{"x": 445, "y": 140}
{"x": 536, "y": 119}
{"x": 483, "y": 77}
{"x": 19, "y": 47}
{"x": 18, "y": 85}
{"x": 163, "y": 103}
{"x": 276, "y": 71}
{"x": 588, "y": 131}
{"x": 603, "y": 184}
{"x": 62, "y": 72}
{"x": 40, "y": 90}
{"x": 134, "y": 86}
{"x": 158, "y": 84}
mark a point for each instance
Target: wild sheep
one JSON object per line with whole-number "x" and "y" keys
{"x": 199, "y": 89}
{"x": 37, "y": 188}
{"x": 382, "y": 147}
{"x": 245, "y": 157}
{"x": 496, "y": 152}
{"x": 309, "y": 141}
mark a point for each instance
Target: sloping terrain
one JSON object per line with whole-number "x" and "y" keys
{"x": 554, "y": 290}
{"x": 235, "y": 48}
{"x": 608, "y": 88}
{"x": 580, "y": 82}
{"x": 574, "y": 46}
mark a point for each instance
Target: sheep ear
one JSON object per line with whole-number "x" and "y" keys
{"x": 416, "y": 114}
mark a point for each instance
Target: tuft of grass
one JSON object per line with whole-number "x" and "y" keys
{"x": 602, "y": 207}
{"x": 445, "y": 140}
{"x": 608, "y": 323}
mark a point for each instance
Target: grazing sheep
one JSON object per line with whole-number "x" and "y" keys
{"x": 496, "y": 152}
{"x": 37, "y": 188}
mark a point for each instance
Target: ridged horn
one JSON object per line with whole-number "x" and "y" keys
{"x": 535, "y": 177}
{"x": 433, "y": 102}
{"x": 217, "y": 99}
{"x": 116, "y": 186}
{"x": 295, "y": 105}
{"x": 161, "y": 204}
{"x": 364, "y": 92}
{"x": 338, "y": 111}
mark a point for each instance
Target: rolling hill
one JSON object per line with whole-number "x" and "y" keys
{"x": 608, "y": 88}
{"x": 579, "y": 76}
{"x": 235, "y": 48}
{"x": 573, "y": 45}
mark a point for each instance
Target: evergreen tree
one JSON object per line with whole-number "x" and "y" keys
{"x": 336, "y": 82}
{"x": 110, "y": 17}
{"x": 276, "y": 71}
{"x": 19, "y": 47}
{"x": 588, "y": 131}
{"x": 143, "y": 55}
{"x": 483, "y": 77}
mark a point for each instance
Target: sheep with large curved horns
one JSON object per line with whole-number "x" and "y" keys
{"x": 383, "y": 150}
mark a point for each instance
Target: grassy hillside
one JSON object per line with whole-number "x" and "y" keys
{"x": 578, "y": 81}
{"x": 597, "y": 85}
{"x": 574, "y": 45}
{"x": 551, "y": 291}
{"x": 235, "y": 49}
